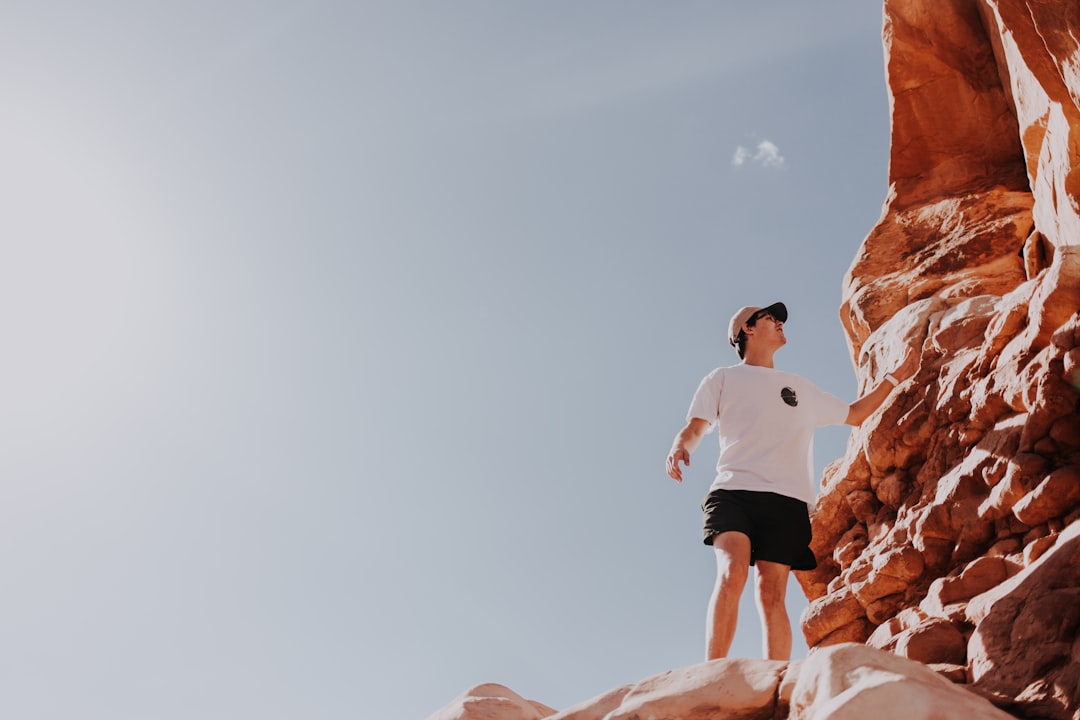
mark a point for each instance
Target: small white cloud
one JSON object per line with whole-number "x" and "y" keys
{"x": 769, "y": 155}
{"x": 766, "y": 155}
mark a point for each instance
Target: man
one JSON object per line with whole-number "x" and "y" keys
{"x": 756, "y": 512}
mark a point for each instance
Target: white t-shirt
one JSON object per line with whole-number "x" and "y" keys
{"x": 766, "y": 420}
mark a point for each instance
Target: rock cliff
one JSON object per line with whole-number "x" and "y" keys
{"x": 948, "y": 535}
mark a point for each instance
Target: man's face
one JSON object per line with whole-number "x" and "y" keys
{"x": 767, "y": 329}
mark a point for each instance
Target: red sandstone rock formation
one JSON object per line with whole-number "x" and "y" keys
{"x": 968, "y": 481}
{"x": 949, "y": 533}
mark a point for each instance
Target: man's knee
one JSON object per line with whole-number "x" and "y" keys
{"x": 732, "y": 558}
{"x": 771, "y": 596}
{"x": 772, "y": 584}
{"x": 731, "y": 574}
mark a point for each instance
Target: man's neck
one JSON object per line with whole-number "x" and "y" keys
{"x": 761, "y": 358}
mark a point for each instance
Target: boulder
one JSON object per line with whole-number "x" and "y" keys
{"x": 492, "y": 702}
{"x": 1022, "y": 652}
{"x": 855, "y": 682}
{"x": 716, "y": 690}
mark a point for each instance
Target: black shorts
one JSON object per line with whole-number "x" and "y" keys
{"x": 778, "y": 526}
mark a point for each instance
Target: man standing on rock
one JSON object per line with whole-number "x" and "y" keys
{"x": 756, "y": 512}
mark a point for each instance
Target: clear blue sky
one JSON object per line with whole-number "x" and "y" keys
{"x": 344, "y": 342}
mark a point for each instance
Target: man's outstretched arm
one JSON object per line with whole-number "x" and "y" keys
{"x": 685, "y": 443}
{"x": 865, "y": 406}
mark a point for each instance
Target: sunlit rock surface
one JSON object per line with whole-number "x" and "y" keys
{"x": 855, "y": 682}
{"x": 841, "y": 682}
{"x": 492, "y": 702}
{"x": 947, "y": 536}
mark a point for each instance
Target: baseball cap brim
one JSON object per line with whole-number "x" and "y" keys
{"x": 778, "y": 310}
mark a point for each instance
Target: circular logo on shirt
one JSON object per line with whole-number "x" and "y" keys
{"x": 789, "y": 396}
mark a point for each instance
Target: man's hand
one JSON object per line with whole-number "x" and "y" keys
{"x": 865, "y": 406}
{"x": 685, "y": 443}
{"x": 676, "y": 456}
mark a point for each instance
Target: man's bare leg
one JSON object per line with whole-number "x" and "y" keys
{"x": 771, "y": 595}
{"x": 732, "y": 566}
